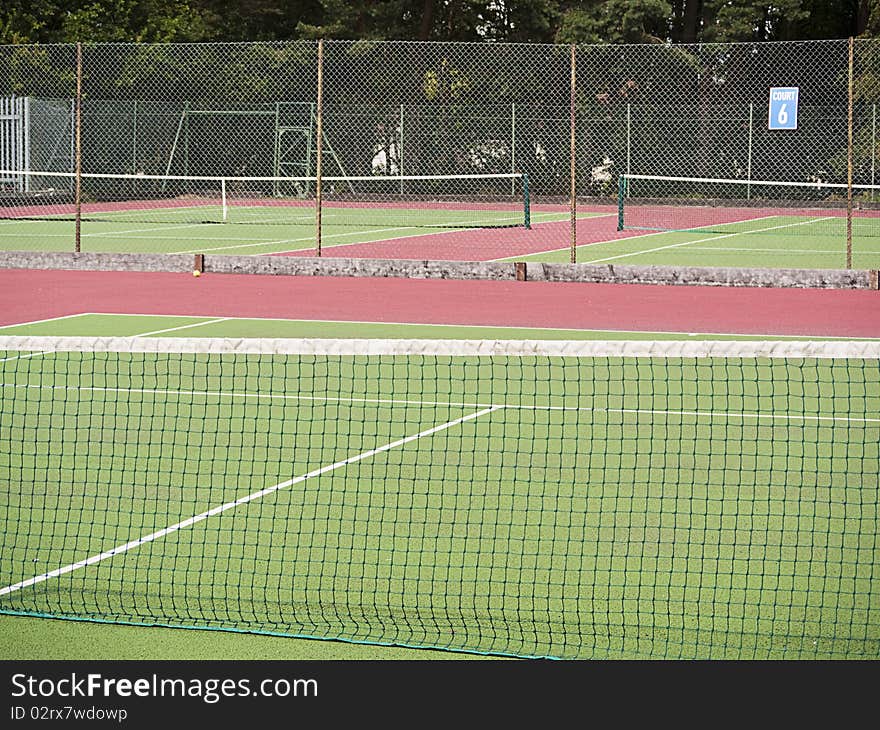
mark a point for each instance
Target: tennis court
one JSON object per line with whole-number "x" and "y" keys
{"x": 774, "y": 241}
{"x": 513, "y": 497}
{"x": 178, "y": 214}
{"x": 753, "y": 239}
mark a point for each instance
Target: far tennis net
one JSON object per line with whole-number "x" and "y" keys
{"x": 781, "y": 208}
{"x": 411, "y": 201}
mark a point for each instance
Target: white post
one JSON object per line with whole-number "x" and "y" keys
{"x": 873, "y": 145}
{"x": 72, "y": 139}
{"x": 134, "y": 137}
{"x": 26, "y": 104}
{"x": 749, "y": 164}
{"x": 223, "y": 197}
{"x": 628, "y": 137}
{"x": 513, "y": 146}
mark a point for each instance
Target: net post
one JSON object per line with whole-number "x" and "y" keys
{"x": 527, "y": 206}
{"x": 223, "y": 199}
{"x": 319, "y": 148}
{"x": 849, "y": 161}
{"x": 573, "y": 156}
{"x": 621, "y": 193}
{"x": 77, "y": 163}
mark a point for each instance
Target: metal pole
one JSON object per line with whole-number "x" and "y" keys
{"x": 73, "y": 141}
{"x": 400, "y": 151}
{"x": 77, "y": 194}
{"x": 628, "y": 138}
{"x": 276, "y": 151}
{"x": 573, "y": 156}
{"x": 849, "y": 163}
{"x": 749, "y": 165}
{"x": 186, "y": 122}
{"x": 513, "y": 146}
{"x": 26, "y": 110}
{"x": 319, "y": 140}
{"x": 180, "y": 125}
{"x": 134, "y": 137}
{"x": 873, "y": 145}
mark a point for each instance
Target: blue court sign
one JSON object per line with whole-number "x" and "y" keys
{"x": 783, "y": 107}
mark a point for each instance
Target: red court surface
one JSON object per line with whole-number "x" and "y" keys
{"x": 27, "y": 295}
{"x": 484, "y": 244}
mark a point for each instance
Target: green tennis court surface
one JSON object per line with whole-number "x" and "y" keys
{"x": 610, "y": 506}
{"x": 787, "y": 242}
{"x": 151, "y": 325}
{"x": 767, "y": 243}
{"x": 116, "y": 233}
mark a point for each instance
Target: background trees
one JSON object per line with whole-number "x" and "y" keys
{"x": 591, "y": 21}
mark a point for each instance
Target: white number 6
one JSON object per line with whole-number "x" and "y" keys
{"x": 782, "y": 117}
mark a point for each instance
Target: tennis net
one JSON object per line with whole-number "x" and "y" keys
{"x": 411, "y": 201}
{"x": 780, "y": 208}
{"x": 562, "y": 499}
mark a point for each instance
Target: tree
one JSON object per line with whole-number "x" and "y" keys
{"x": 615, "y": 21}
{"x": 535, "y": 21}
{"x": 29, "y": 21}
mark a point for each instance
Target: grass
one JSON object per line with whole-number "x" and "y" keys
{"x": 443, "y": 504}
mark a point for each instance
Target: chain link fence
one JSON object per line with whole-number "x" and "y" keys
{"x": 412, "y": 135}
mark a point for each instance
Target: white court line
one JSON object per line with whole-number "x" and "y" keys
{"x": 450, "y": 404}
{"x": 503, "y": 327}
{"x": 703, "y": 240}
{"x": 358, "y": 232}
{"x": 182, "y": 327}
{"x": 24, "y": 357}
{"x": 139, "y": 334}
{"x": 38, "y": 321}
{"x": 828, "y": 252}
{"x": 633, "y": 238}
{"x": 119, "y": 549}
{"x": 48, "y": 319}
{"x": 141, "y": 230}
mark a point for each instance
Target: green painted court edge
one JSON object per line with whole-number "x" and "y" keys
{"x": 744, "y": 249}
{"x": 157, "y": 325}
{"x": 31, "y": 638}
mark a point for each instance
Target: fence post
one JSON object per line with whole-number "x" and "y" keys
{"x": 319, "y": 141}
{"x": 573, "y": 156}
{"x": 400, "y": 151}
{"x": 77, "y": 184}
{"x": 849, "y": 161}
{"x": 628, "y": 138}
